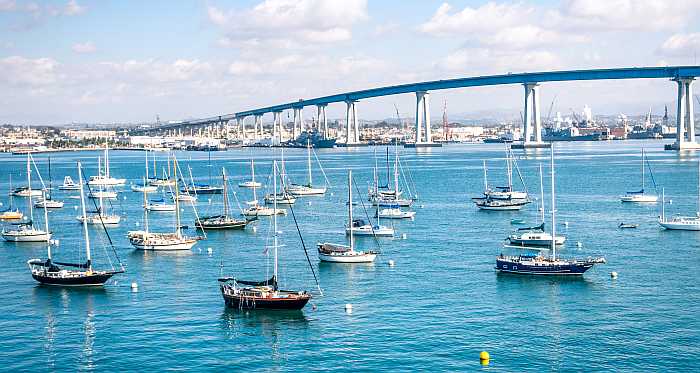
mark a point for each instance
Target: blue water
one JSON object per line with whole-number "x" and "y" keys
{"x": 436, "y": 309}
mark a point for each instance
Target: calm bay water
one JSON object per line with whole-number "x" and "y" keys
{"x": 435, "y": 309}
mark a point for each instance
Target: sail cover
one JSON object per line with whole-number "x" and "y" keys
{"x": 269, "y": 282}
{"x": 537, "y": 228}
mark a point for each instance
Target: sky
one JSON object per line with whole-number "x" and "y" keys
{"x": 130, "y": 61}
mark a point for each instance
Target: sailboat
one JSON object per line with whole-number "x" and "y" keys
{"x": 507, "y": 192}
{"x": 102, "y": 192}
{"x": 11, "y": 213}
{"x": 162, "y": 241}
{"x": 49, "y": 272}
{"x": 105, "y": 179}
{"x": 25, "y": 231}
{"x": 535, "y": 236}
{"x": 99, "y": 216}
{"x": 207, "y": 188}
{"x": 542, "y": 265}
{"x": 391, "y": 198}
{"x": 359, "y": 227}
{"x": 187, "y": 193}
{"x": 69, "y": 184}
{"x": 640, "y": 196}
{"x": 306, "y": 189}
{"x": 48, "y": 202}
{"x": 251, "y": 183}
{"x": 680, "y": 222}
{"x": 165, "y": 179}
{"x": 330, "y": 252}
{"x": 282, "y": 197}
{"x": 145, "y": 187}
{"x": 256, "y": 209}
{"x": 503, "y": 198}
{"x": 224, "y": 220}
{"x": 265, "y": 294}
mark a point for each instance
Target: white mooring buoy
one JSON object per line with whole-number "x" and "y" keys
{"x": 391, "y": 263}
{"x": 348, "y": 308}
{"x": 134, "y": 286}
{"x": 404, "y": 236}
{"x": 613, "y": 275}
{"x": 579, "y": 244}
{"x": 209, "y": 250}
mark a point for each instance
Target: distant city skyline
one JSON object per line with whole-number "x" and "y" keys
{"x": 93, "y": 61}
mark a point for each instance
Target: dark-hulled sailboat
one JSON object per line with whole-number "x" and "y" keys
{"x": 265, "y": 294}
{"x": 224, "y": 220}
{"x": 49, "y": 272}
{"x": 542, "y": 265}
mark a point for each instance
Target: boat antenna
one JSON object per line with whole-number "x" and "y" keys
{"x": 296, "y": 224}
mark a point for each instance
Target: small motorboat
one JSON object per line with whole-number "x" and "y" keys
{"x": 362, "y": 228}
{"x": 627, "y": 226}
{"x": 395, "y": 213}
{"x": 69, "y": 184}
{"x": 49, "y": 204}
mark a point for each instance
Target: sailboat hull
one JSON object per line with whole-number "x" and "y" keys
{"x": 162, "y": 245}
{"x": 567, "y": 269}
{"x": 639, "y": 198}
{"x": 355, "y": 257}
{"x": 296, "y": 302}
{"x": 38, "y": 236}
{"x": 682, "y": 224}
{"x": 94, "y": 279}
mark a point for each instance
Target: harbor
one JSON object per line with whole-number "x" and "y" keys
{"x": 443, "y": 260}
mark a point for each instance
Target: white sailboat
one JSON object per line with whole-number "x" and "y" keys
{"x": 502, "y": 198}
{"x": 680, "y": 222}
{"x": 162, "y": 241}
{"x": 99, "y": 216}
{"x": 11, "y": 213}
{"x": 336, "y": 253}
{"x": 25, "y": 231}
{"x": 251, "y": 183}
{"x": 281, "y": 197}
{"x": 535, "y": 236}
{"x": 256, "y": 209}
{"x": 105, "y": 179}
{"x": 102, "y": 192}
{"x": 506, "y": 192}
{"x": 391, "y": 198}
{"x": 307, "y": 189}
{"x": 145, "y": 187}
{"x": 49, "y": 202}
{"x": 69, "y": 184}
{"x": 359, "y": 227}
{"x": 641, "y": 196}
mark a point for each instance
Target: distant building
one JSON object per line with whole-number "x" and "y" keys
{"x": 78, "y": 135}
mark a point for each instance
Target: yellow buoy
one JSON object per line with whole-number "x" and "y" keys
{"x": 484, "y": 358}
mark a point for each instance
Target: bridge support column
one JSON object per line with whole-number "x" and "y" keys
{"x": 423, "y": 134}
{"x": 298, "y": 122}
{"x": 258, "y": 127}
{"x": 322, "y": 120}
{"x": 532, "y": 132}
{"x": 352, "y": 130}
{"x": 276, "y": 131}
{"x": 685, "y": 120}
{"x": 240, "y": 122}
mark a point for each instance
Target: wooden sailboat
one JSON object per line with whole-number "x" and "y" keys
{"x": 680, "y": 222}
{"x": 307, "y": 189}
{"x": 25, "y": 231}
{"x": 336, "y": 253}
{"x": 240, "y": 294}
{"x": 224, "y": 220}
{"x": 542, "y": 265}
{"x": 162, "y": 241}
{"x": 641, "y": 196}
{"x": 49, "y": 272}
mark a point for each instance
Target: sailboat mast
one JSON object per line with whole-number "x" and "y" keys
{"x": 225, "y": 181}
{"x": 387, "y": 167}
{"x": 29, "y": 189}
{"x": 396, "y": 174}
{"x": 308, "y": 159}
{"x": 352, "y": 244}
{"x": 554, "y": 226}
{"x": 698, "y": 212}
{"x": 144, "y": 184}
{"x": 509, "y": 167}
{"x": 541, "y": 193}
{"x": 642, "y": 169}
{"x": 486, "y": 180}
{"x": 252, "y": 172}
{"x": 46, "y": 223}
{"x": 663, "y": 205}
{"x": 145, "y": 212}
{"x": 85, "y": 227}
{"x": 106, "y": 160}
{"x": 274, "y": 216}
{"x": 50, "y": 179}
{"x": 177, "y": 200}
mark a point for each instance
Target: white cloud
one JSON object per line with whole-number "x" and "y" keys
{"x": 593, "y": 15}
{"x": 7, "y": 5}
{"x": 486, "y": 18}
{"x": 681, "y": 45}
{"x": 386, "y": 29}
{"x": 87, "y": 47}
{"x": 478, "y": 61}
{"x": 73, "y": 8}
{"x": 20, "y": 71}
{"x": 159, "y": 72}
{"x": 291, "y": 21}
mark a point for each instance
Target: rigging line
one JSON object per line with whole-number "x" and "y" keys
{"x": 409, "y": 179}
{"x": 328, "y": 183}
{"x": 517, "y": 169}
{"x": 652, "y": 175}
{"x": 305, "y": 251}
{"x": 362, "y": 202}
{"x": 109, "y": 238}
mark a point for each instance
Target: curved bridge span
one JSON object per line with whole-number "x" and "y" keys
{"x": 682, "y": 75}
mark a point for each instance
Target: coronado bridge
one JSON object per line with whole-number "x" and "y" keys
{"x": 683, "y": 76}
